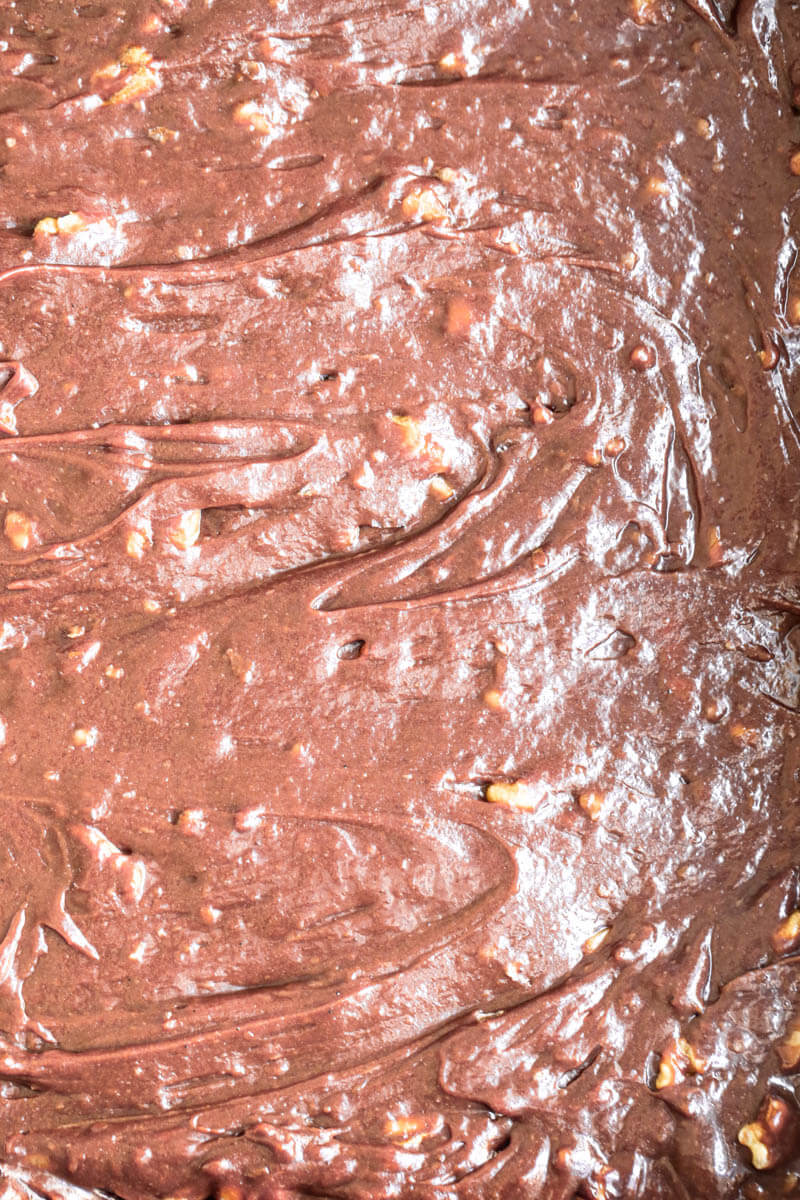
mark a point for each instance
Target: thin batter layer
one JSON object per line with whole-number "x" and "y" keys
{"x": 400, "y": 620}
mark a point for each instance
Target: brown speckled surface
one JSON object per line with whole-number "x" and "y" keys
{"x": 399, "y": 605}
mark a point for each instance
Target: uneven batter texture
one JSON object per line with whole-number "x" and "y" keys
{"x": 400, "y": 611}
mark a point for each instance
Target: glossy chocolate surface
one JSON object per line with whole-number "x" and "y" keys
{"x": 399, "y": 609}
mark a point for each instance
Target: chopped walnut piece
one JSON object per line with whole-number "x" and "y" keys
{"x": 138, "y": 540}
{"x": 422, "y": 444}
{"x": 243, "y": 668}
{"x": 441, "y": 489}
{"x": 745, "y": 734}
{"x": 113, "y": 672}
{"x": 424, "y": 205}
{"x": 20, "y": 530}
{"x": 614, "y": 446}
{"x": 411, "y": 1131}
{"x": 229, "y": 1191}
{"x": 769, "y": 1137}
{"x": 656, "y": 185}
{"x": 140, "y": 77}
{"x": 517, "y": 795}
{"x": 8, "y": 418}
{"x": 592, "y": 803}
{"x": 185, "y": 531}
{"x": 39, "y": 1162}
{"x": 793, "y": 310}
{"x": 460, "y": 316}
{"x": 714, "y": 546}
{"x": 159, "y": 133}
{"x": 248, "y": 113}
{"x": 651, "y": 12}
{"x": 454, "y": 64}
{"x": 493, "y": 698}
{"x": 678, "y": 1059}
{"x": 140, "y": 83}
{"x": 192, "y": 821}
{"x": 84, "y": 738}
{"x": 595, "y": 941}
{"x": 135, "y": 56}
{"x": 794, "y": 163}
{"x": 789, "y": 1048}
{"x": 786, "y": 938}
{"x": 704, "y": 128}
{"x": 69, "y": 224}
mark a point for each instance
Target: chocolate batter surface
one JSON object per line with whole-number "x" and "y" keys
{"x": 399, "y": 599}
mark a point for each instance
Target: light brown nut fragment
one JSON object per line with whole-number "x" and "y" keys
{"x": 139, "y": 83}
{"x": 39, "y": 1162}
{"x": 493, "y": 698}
{"x": 793, "y": 310}
{"x": 518, "y": 795}
{"x": 789, "y": 1048}
{"x": 794, "y": 163}
{"x": 184, "y": 532}
{"x": 411, "y": 1131}
{"x": 744, "y": 734}
{"x": 113, "y": 672}
{"x": 592, "y": 802}
{"x": 453, "y": 64}
{"x": 656, "y": 186}
{"x": 541, "y": 415}
{"x": 135, "y": 56}
{"x": 243, "y": 668}
{"x": 424, "y": 205}
{"x": 138, "y": 541}
{"x": 679, "y": 1059}
{"x": 84, "y": 739}
{"x": 192, "y": 821}
{"x": 715, "y": 552}
{"x": 769, "y": 1137}
{"x": 440, "y": 488}
{"x": 68, "y": 225}
{"x": 786, "y": 938}
{"x": 159, "y": 133}
{"x": 595, "y": 941}
{"x": 421, "y": 444}
{"x": 614, "y": 446}
{"x": 651, "y": 12}
{"x": 229, "y": 1191}
{"x": 704, "y": 128}
{"x": 19, "y": 529}
{"x": 460, "y": 317}
{"x": 250, "y": 115}
{"x": 8, "y": 418}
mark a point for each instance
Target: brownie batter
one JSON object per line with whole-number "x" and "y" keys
{"x": 399, "y": 599}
